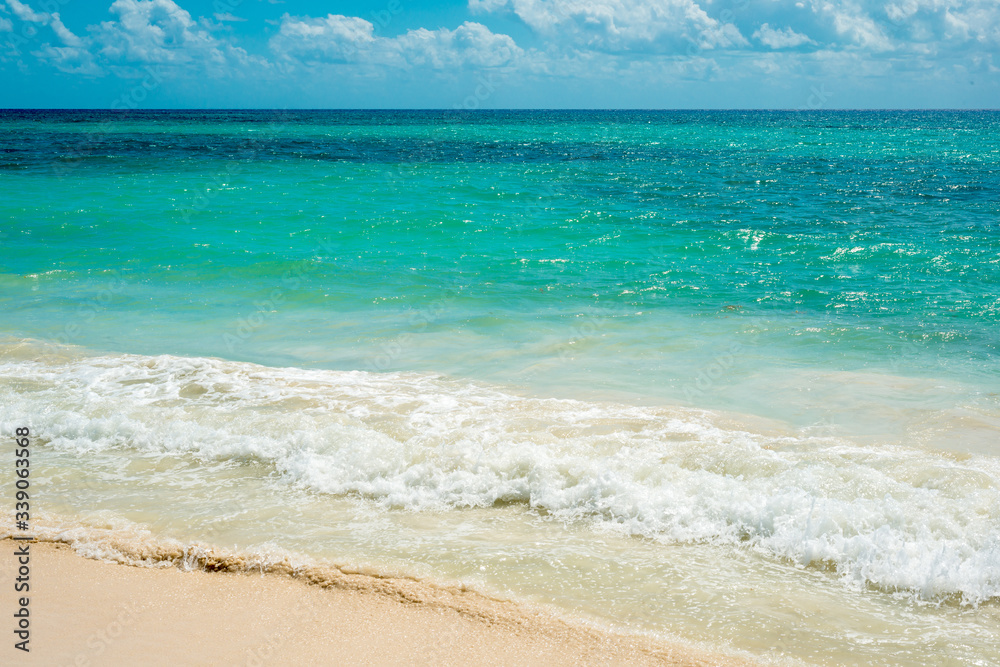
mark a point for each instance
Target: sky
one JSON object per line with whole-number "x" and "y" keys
{"x": 480, "y": 54}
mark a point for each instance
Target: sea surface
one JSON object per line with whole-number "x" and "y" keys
{"x": 729, "y": 377}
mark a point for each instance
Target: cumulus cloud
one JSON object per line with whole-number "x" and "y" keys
{"x": 857, "y": 27}
{"x": 69, "y": 54}
{"x": 337, "y": 38}
{"x": 949, "y": 21}
{"x": 26, "y": 13}
{"x": 643, "y": 41}
{"x": 468, "y": 44}
{"x": 142, "y": 33}
{"x": 333, "y": 38}
{"x": 622, "y": 25}
{"x": 63, "y": 33}
{"x": 920, "y": 26}
{"x": 665, "y": 26}
{"x": 226, "y": 17}
{"x": 780, "y": 39}
{"x": 155, "y": 32}
{"x": 486, "y": 6}
{"x": 71, "y": 60}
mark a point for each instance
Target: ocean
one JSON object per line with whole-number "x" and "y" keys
{"x": 724, "y": 376}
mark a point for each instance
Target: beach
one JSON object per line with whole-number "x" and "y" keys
{"x": 500, "y": 332}
{"x": 725, "y": 379}
{"x": 89, "y": 612}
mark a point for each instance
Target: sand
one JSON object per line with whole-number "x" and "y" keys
{"x": 90, "y": 612}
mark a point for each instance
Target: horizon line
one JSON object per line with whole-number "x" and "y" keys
{"x": 502, "y": 109}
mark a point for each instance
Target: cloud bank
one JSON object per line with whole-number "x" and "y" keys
{"x": 648, "y": 43}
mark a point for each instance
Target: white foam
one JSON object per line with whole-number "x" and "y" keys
{"x": 897, "y": 518}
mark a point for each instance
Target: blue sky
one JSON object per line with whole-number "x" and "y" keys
{"x": 500, "y": 53}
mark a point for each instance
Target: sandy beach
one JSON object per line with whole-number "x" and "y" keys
{"x": 536, "y": 385}
{"x": 89, "y": 612}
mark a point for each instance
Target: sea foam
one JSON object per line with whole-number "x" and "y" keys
{"x": 900, "y": 519}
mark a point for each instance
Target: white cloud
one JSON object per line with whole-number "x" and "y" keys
{"x": 858, "y": 28}
{"x": 919, "y": 26}
{"x": 69, "y": 59}
{"x": 155, "y": 32}
{"x": 337, "y": 38}
{"x": 63, "y": 33}
{"x": 780, "y": 39}
{"x": 622, "y": 25}
{"x": 486, "y": 6}
{"x": 949, "y": 21}
{"x": 26, "y": 13}
{"x": 71, "y": 56}
{"x": 642, "y": 42}
{"x": 223, "y": 17}
{"x": 159, "y": 32}
{"x": 672, "y": 26}
{"x": 468, "y": 44}
{"x": 144, "y": 32}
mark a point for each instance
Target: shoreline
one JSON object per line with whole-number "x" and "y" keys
{"x": 89, "y": 612}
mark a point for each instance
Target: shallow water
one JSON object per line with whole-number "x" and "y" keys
{"x": 727, "y": 376}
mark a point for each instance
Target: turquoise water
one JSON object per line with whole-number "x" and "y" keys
{"x": 762, "y": 339}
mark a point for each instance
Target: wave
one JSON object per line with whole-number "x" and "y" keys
{"x": 896, "y": 518}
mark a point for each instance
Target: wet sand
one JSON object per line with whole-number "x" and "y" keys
{"x": 88, "y": 612}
